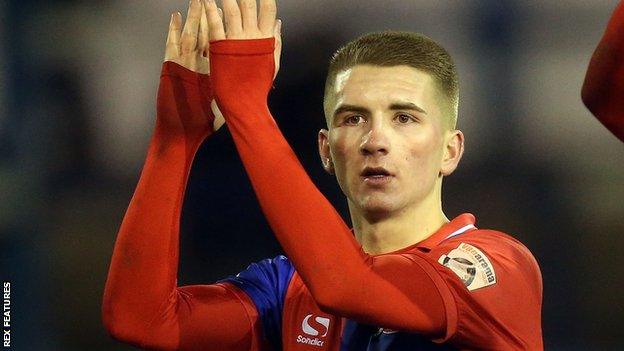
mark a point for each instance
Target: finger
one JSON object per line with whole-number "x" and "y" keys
{"x": 232, "y": 16}
{"x": 172, "y": 48}
{"x": 277, "y": 33}
{"x": 202, "y": 41}
{"x": 215, "y": 22}
{"x": 191, "y": 27}
{"x": 266, "y": 17}
{"x": 249, "y": 14}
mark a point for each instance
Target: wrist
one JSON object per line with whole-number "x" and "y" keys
{"x": 177, "y": 71}
{"x": 242, "y": 69}
{"x": 183, "y": 104}
{"x": 243, "y": 46}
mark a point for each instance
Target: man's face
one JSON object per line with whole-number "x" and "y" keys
{"x": 386, "y": 138}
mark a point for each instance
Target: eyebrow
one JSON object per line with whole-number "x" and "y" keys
{"x": 407, "y": 106}
{"x": 393, "y": 106}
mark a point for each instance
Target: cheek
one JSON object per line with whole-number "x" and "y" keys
{"x": 339, "y": 151}
{"x": 422, "y": 155}
{"x": 344, "y": 151}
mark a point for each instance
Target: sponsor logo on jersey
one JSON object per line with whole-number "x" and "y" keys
{"x": 315, "y": 326}
{"x": 471, "y": 266}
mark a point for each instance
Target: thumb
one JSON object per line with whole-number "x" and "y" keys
{"x": 277, "y": 33}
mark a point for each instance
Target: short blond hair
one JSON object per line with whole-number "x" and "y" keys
{"x": 391, "y": 48}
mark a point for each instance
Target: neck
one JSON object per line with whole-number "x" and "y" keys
{"x": 394, "y": 231}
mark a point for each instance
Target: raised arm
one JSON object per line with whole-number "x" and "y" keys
{"x": 603, "y": 89}
{"x": 341, "y": 277}
{"x": 142, "y": 304}
{"x": 407, "y": 291}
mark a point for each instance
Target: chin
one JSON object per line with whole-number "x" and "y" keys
{"x": 377, "y": 206}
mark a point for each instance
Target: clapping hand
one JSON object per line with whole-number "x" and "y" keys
{"x": 245, "y": 20}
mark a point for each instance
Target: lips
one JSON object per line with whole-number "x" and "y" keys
{"x": 376, "y": 176}
{"x": 375, "y": 172}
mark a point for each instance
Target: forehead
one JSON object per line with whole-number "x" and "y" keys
{"x": 366, "y": 84}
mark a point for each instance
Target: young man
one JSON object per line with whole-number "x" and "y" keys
{"x": 405, "y": 278}
{"x": 603, "y": 89}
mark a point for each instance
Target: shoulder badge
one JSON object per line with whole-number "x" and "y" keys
{"x": 471, "y": 265}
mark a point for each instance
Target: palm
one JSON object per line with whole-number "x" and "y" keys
{"x": 188, "y": 45}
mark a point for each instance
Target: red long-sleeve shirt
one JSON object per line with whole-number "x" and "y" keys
{"x": 603, "y": 89}
{"x": 464, "y": 287}
{"x": 142, "y": 304}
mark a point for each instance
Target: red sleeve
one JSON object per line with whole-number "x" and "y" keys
{"x": 342, "y": 278}
{"x": 142, "y": 304}
{"x": 603, "y": 89}
{"x": 496, "y": 286}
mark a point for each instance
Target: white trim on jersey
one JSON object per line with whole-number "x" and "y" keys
{"x": 461, "y": 230}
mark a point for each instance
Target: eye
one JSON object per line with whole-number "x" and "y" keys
{"x": 404, "y": 118}
{"x": 353, "y": 120}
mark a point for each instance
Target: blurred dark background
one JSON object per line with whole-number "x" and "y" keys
{"x": 78, "y": 83}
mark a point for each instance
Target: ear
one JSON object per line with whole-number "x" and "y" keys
{"x": 453, "y": 151}
{"x": 324, "y": 152}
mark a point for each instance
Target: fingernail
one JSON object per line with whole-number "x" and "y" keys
{"x": 279, "y": 26}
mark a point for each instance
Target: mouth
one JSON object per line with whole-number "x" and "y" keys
{"x": 376, "y": 176}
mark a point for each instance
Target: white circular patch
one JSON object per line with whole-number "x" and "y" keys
{"x": 471, "y": 266}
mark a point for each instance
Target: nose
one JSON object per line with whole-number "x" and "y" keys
{"x": 376, "y": 140}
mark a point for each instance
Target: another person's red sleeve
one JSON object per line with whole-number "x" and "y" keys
{"x": 603, "y": 89}
{"x": 142, "y": 304}
{"x": 397, "y": 291}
